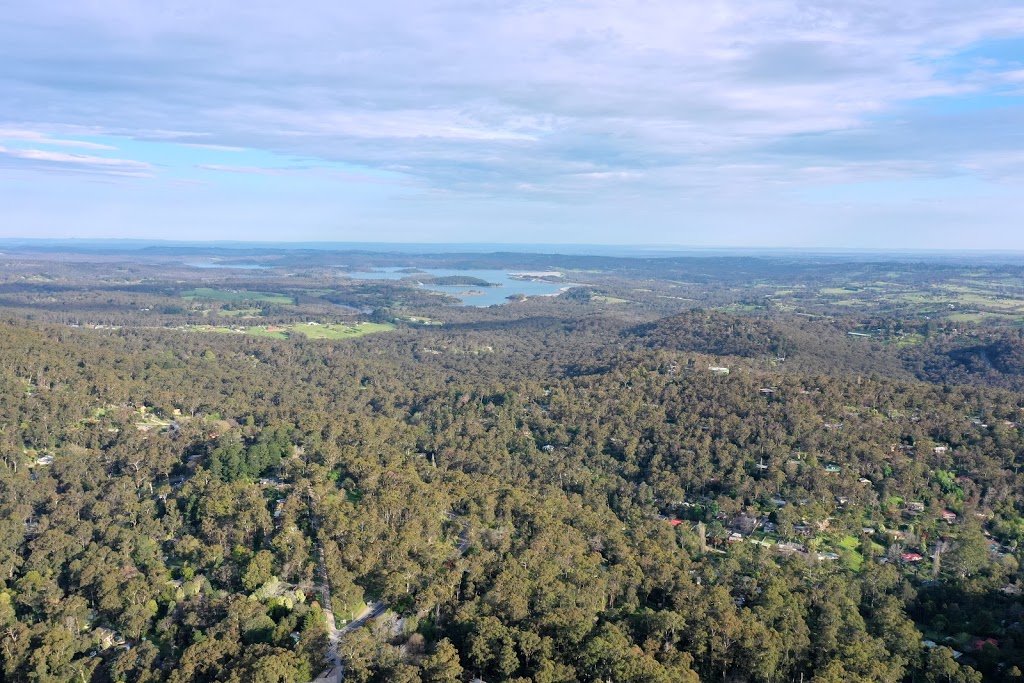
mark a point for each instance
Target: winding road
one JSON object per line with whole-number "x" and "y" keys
{"x": 335, "y": 673}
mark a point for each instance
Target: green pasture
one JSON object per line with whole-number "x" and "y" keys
{"x": 235, "y": 295}
{"x": 341, "y": 331}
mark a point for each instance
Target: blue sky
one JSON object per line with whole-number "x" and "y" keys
{"x": 837, "y": 123}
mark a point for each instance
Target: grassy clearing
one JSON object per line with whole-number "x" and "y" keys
{"x": 848, "y": 551}
{"x": 980, "y": 299}
{"x": 601, "y": 299}
{"x": 309, "y": 331}
{"x": 347, "y": 613}
{"x": 420, "y": 320}
{"x": 240, "y": 313}
{"x": 236, "y": 295}
{"x": 254, "y": 331}
{"x": 341, "y": 331}
{"x": 983, "y": 316}
{"x": 907, "y": 340}
{"x": 270, "y": 333}
{"x": 849, "y": 542}
{"x": 852, "y": 559}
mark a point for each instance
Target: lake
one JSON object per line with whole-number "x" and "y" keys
{"x": 488, "y": 296}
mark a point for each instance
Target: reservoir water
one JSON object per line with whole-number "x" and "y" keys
{"x": 470, "y": 295}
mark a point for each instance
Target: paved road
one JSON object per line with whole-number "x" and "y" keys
{"x": 369, "y": 612}
{"x": 463, "y": 545}
{"x": 336, "y": 672}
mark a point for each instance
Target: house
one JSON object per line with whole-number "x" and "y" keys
{"x": 745, "y": 523}
{"x": 911, "y": 557}
{"x": 980, "y": 644}
{"x": 106, "y": 638}
{"x": 767, "y": 391}
{"x": 718, "y": 370}
{"x": 675, "y": 522}
{"x": 948, "y": 516}
{"x": 832, "y": 468}
{"x": 914, "y": 506}
{"x": 789, "y": 548}
{"x": 939, "y": 450}
{"x": 45, "y": 460}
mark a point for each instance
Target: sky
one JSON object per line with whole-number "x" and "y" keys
{"x": 778, "y": 123}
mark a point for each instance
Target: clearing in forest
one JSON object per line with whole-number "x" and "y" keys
{"x": 310, "y": 330}
{"x": 236, "y": 295}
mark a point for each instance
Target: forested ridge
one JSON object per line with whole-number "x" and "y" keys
{"x": 168, "y": 536}
{"x": 641, "y": 480}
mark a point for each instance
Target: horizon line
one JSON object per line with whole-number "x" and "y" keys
{"x": 296, "y": 244}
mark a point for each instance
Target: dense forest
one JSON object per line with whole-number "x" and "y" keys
{"x": 558, "y": 490}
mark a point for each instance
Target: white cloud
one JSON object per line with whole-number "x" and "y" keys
{"x": 532, "y": 97}
{"x": 37, "y": 138}
{"x": 64, "y": 160}
{"x": 250, "y": 170}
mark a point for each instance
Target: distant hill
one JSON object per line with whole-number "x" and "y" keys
{"x": 990, "y": 359}
{"x": 806, "y": 345}
{"x": 714, "y": 333}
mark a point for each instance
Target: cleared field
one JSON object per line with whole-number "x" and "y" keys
{"x": 236, "y": 295}
{"x": 609, "y": 300}
{"x": 978, "y": 297}
{"x": 267, "y": 332}
{"x": 254, "y": 331}
{"x": 983, "y": 316}
{"x": 907, "y": 340}
{"x": 341, "y": 331}
{"x": 306, "y": 330}
{"x": 240, "y": 313}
